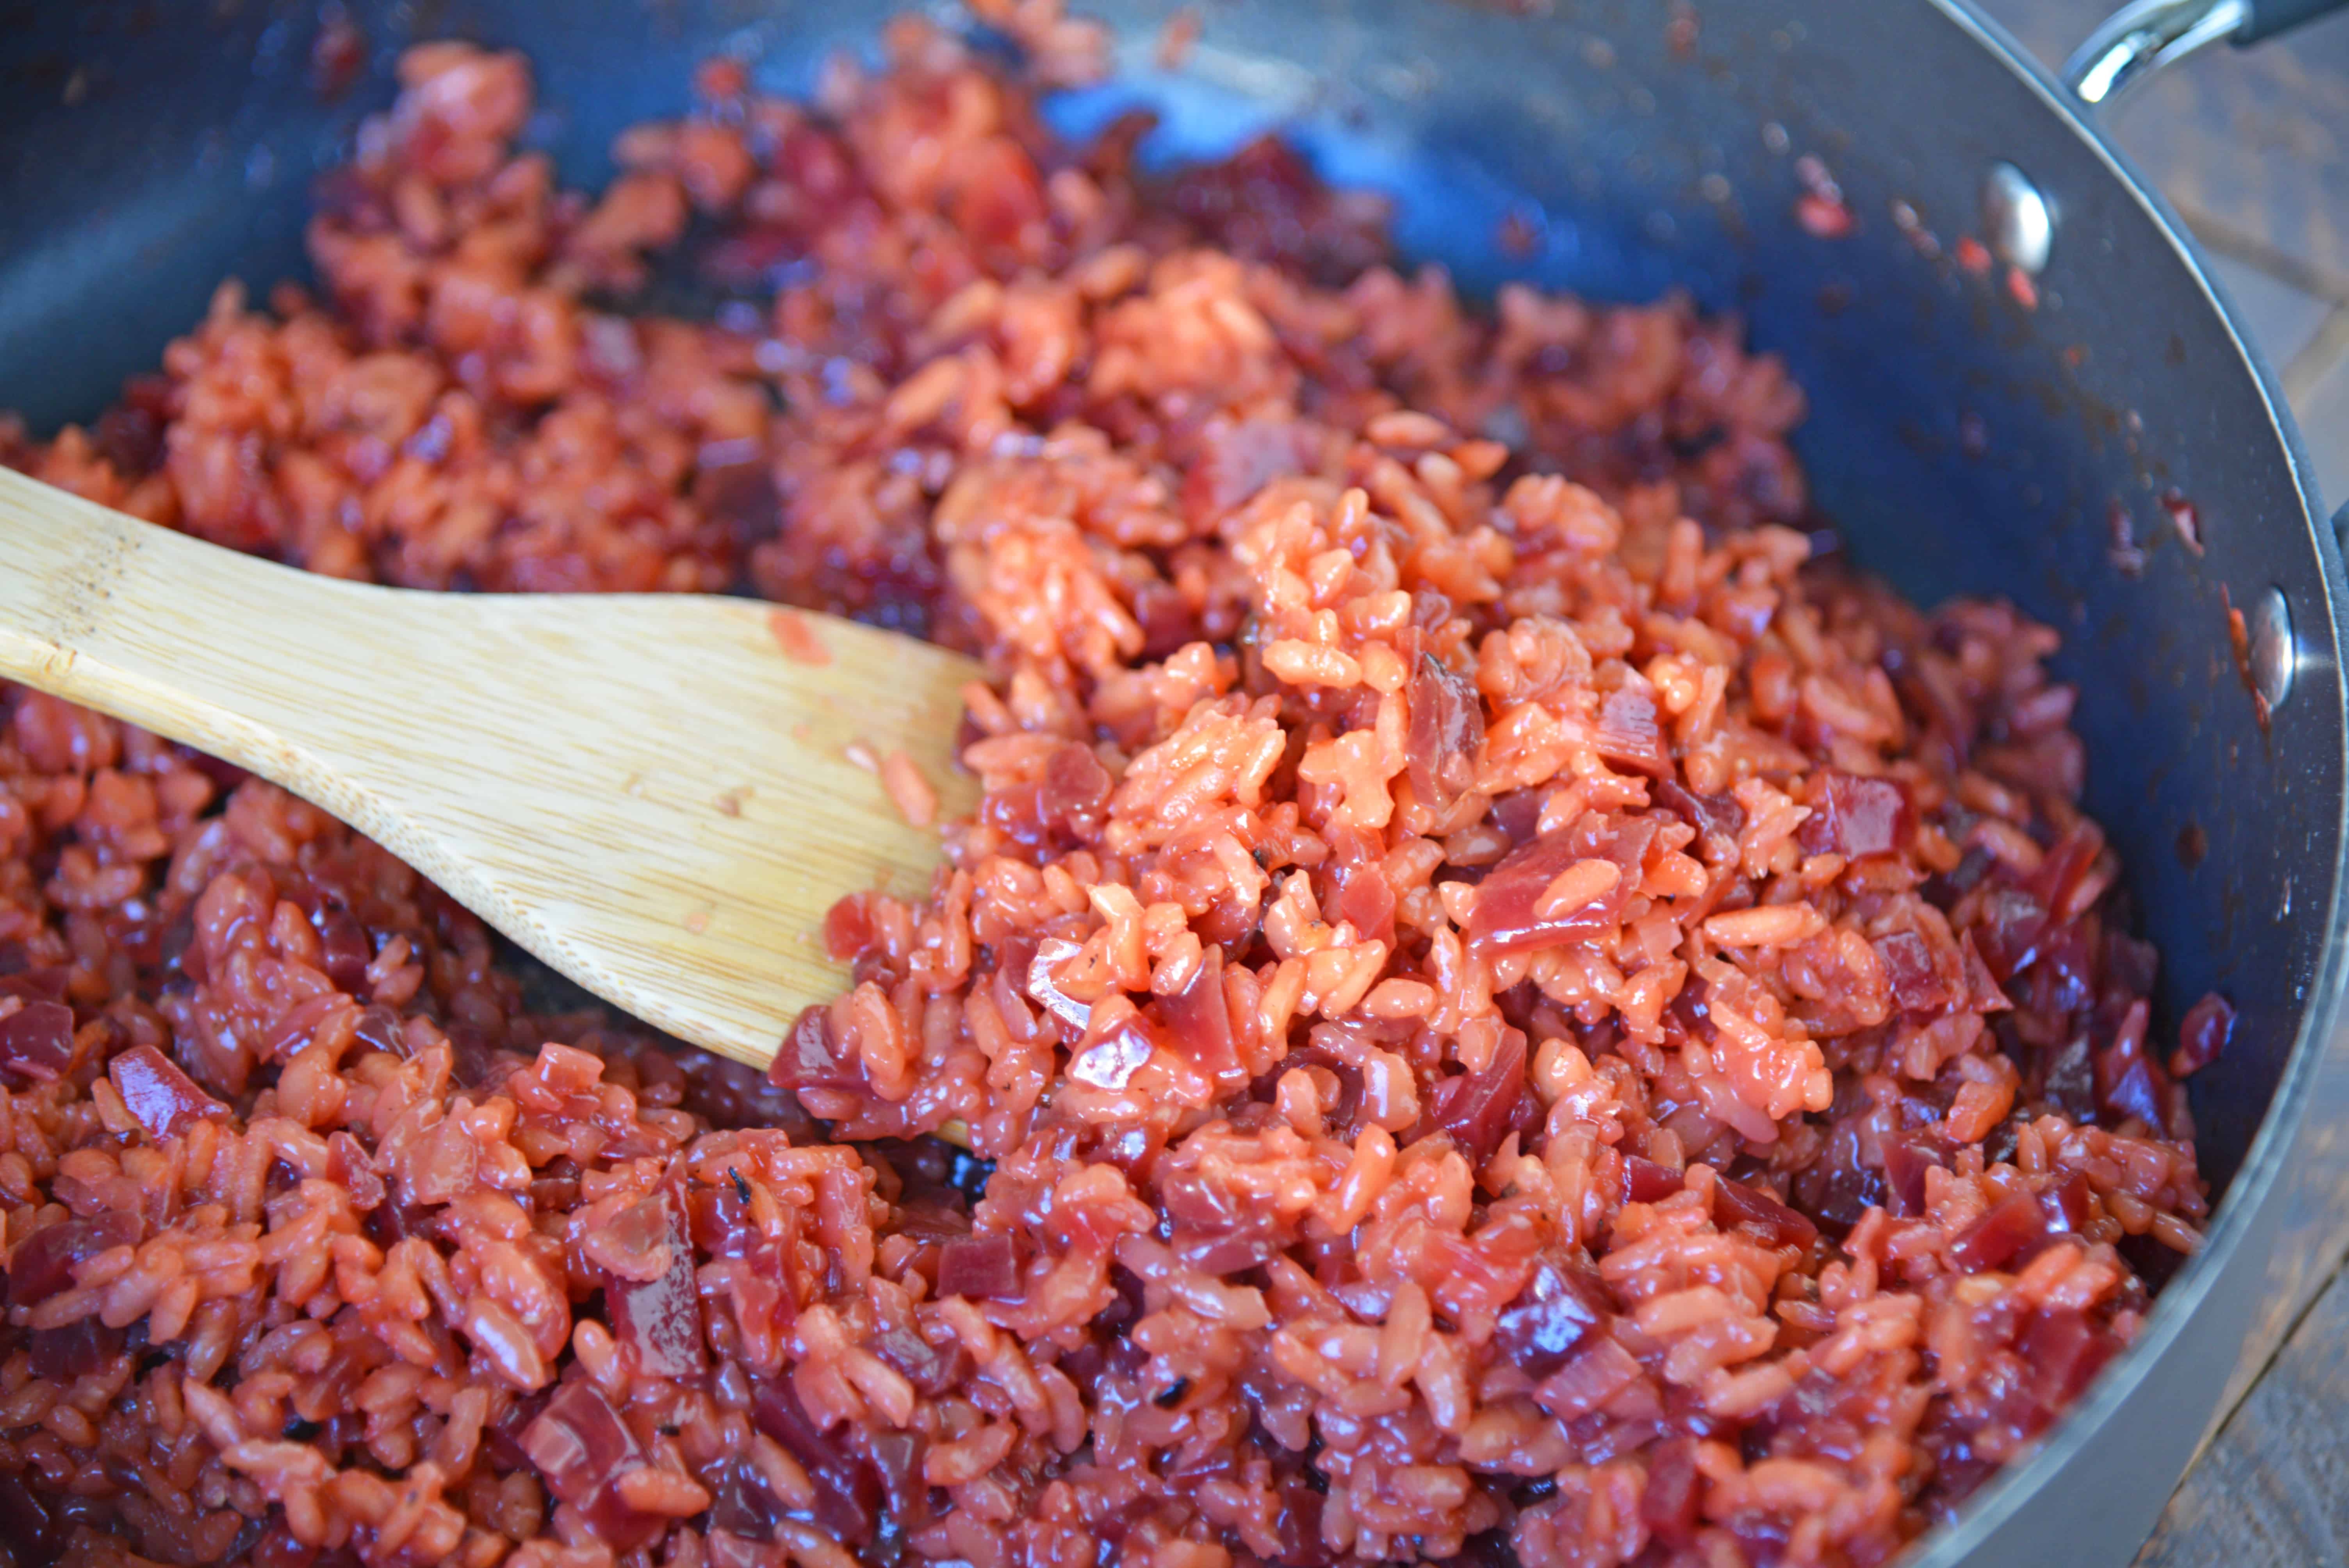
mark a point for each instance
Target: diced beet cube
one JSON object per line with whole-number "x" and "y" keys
{"x": 503, "y": 1438}
{"x": 1982, "y": 992}
{"x": 80, "y": 1348}
{"x": 343, "y": 942}
{"x": 164, "y": 1099}
{"x": 42, "y": 1264}
{"x": 1447, "y": 721}
{"x": 1199, "y": 1017}
{"x": 1558, "y": 1309}
{"x": 32, "y": 1528}
{"x": 2071, "y": 1079}
{"x": 1852, "y": 816}
{"x": 744, "y": 1504}
{"x": 1736, "y": 1204}
{"x": 2012, "y": 928}
{"x": 578, "y": 1442}
{"x": 1708, "y": 814}
{"x": 47, "y": 984}
{"x": 2067, "y": 1351}
{"x": 984, "y": 1268}
{"x": 2128, "y": 1081}
{"x": 808, "y": 1058}
{"x": 2132, "y": 1086}
{"x": 1645, "y": 1181}
{"x": 1505, "y": 920}
{"x": 1518, "y": 813}
{"x": 2014, "y": 1223}
{"x": 37, "y": 1040}
{"x": 1596, "y": 1372}
{"x": 1364, "y": 895}
{"x": 1906, "y": 1161}
{"x": 1910, "y": 973}
{"x": 2209, "y": 1025}
{"x": 1479, "y": 1110}
{"x": 1667, "y": 1505}
{"x": 1627, "y": 735}
{"x": 579, "y": 1445}
{"x": 657, "y": 1322}
{"x": 931, "y": 1369}
{"x": 847, "y": 1488}
{"x": 2066, "y": 1204}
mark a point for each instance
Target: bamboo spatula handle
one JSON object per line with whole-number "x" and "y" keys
{"x": 249, "y": 660}
{"x": 660, "y": 795}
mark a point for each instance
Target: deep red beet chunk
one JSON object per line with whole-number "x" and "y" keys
{"x": 80, "y": 1348}
{"x": 1447, "y": 722}
{"x": 2067, "y": 865}
{"x": 2013, "y": 926}
{"x": 1852, "y": 816}
{"x": 1906, "y": 1161}
{"x": 808, "y": 1058}
{"x": 1984, "y": 993}
{"x": 2129, "y": 1082}
{"x": 2132, "y": 1087}
{"x": 847, "y": 1488}
{"x": 2066, "y": 1351}
{"x": 1238, "y": 458}
{"x": 2209, "y": 1025}
{"x": 744, "y": 1504}
{"x": 1646, "y": 1182}
{"x": 1364, "y": 895}
{"x": 1910, "y": 973}
{"x": 658, "y": 1322}
{"x": 42, "y": 1263}
{"x": 2013, "y": 1224}
{"x": 578, "y": 1442}
{"x": 503, "y": 1438}
{"x": 37, "y": 1040}
{"x": 1518, "y": 813}
{"x": 1736, "y": 1204}
{"x": 31, "y": 1527}
{"x": 1627, "y": 735}
{"x": 1505, "y": 920}
{"x": 1560, "y": 1306}
{"x": 1065, "y": 807}
{"x": 26, "y": 984}
{"x": 1708, "y": 814}
{"x": 344, "y": 942}
{"x": 1479, "y": 1110}
{"x": 164, "y": 1099}
{"x": 2069, "y": 1079}
{"x": 2065, "y": 1203}
{"x": 1199, "y": 1017}
{"x": 932, "y": 1369}
{"x": 1668, "y": 1504}
{"x": 981, "y": 1267}
{"x": 579, "y": 1445}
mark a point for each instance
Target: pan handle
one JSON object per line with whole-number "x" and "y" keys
{"x": 2145, "y": 35}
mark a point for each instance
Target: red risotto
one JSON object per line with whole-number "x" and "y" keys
{"x": 1498, "y": 1007}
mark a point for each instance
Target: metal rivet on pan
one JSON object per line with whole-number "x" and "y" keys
{"x": 2017, "y": 222}
{"x": 2275, "y": 658}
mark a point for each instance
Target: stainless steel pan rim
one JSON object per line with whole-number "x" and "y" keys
{"x": 2248, "y": 1203}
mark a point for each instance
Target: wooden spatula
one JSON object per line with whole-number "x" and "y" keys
{"x": 660, "y": 795}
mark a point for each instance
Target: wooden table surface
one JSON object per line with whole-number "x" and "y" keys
{"x": 2252, "y": 148}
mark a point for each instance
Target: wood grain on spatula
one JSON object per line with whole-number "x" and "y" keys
{"x": 653, "y": 793}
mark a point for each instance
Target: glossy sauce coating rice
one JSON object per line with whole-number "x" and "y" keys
{"x": 1497, "y": 1006}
